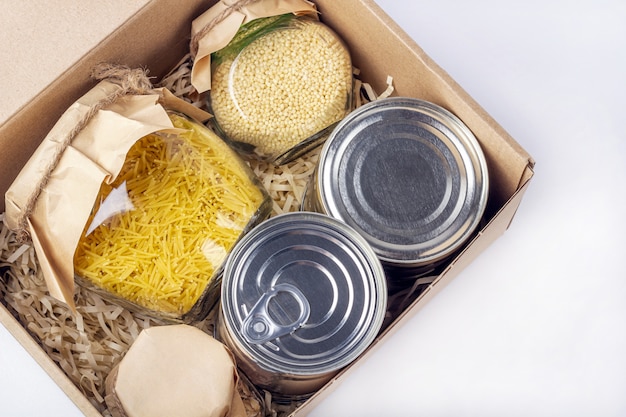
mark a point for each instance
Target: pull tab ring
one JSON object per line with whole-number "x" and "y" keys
{"x": 258, "y": 327}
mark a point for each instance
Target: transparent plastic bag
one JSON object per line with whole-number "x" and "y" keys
{"x": 159, "y": 234}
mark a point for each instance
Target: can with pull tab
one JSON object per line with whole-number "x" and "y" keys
{"x": 303, "y": 295}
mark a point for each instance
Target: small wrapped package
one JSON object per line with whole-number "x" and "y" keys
{"x": 175, "y": 370}
{"x": 143, "y": 206}
{"x": 280, "y": 84}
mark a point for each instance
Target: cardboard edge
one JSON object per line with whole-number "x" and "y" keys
{"x": 77, "y": 82}
{"x": 48, "y": 365}
{"x": 71, "y": 65}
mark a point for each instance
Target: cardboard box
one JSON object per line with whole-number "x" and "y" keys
{"x": 157, "y": 37}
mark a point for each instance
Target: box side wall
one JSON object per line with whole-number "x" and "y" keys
{"x": 496, "y": 227}
{"x": 380, "y": 48}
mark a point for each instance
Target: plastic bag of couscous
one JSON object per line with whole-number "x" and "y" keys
{"x": 279, "y": 86}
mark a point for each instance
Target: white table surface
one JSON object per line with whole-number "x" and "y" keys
{"x": 536, "y": 326}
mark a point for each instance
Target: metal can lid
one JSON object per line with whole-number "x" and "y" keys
{"x": 406, "y": 174}
{"x": 303, "y": 294}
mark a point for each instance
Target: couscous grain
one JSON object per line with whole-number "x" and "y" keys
{"x": 282, "y": 88}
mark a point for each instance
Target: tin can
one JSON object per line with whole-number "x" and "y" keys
{"x": 409, "y": 176}
{"x": 303, "y": 295}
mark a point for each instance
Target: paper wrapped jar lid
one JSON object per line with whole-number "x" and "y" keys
{"x": 175, "y": 370}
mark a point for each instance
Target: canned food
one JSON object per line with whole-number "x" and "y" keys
{"x": 303, "y": 295}
{"x": 409, "y": 176}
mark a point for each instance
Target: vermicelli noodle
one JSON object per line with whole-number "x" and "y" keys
{"x": 170, "y": 218}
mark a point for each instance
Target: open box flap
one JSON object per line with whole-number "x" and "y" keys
{"x": 131, "y": 44}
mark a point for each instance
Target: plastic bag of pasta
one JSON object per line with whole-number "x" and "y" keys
{"x": 280, "y": 84}
{"x": 161, "y": 231}
{"x": 141, "y": 203}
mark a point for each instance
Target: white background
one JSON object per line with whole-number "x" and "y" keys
{"x": 536, "y": 326}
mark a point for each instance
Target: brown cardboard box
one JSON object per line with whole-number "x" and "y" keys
{"x": 157, "y": 37}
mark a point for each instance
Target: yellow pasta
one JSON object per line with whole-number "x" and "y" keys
{"x": 161, "y": 231}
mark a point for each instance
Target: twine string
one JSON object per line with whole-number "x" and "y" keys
{"x": 230, "y": 9}
{"x": 131, "y": 82}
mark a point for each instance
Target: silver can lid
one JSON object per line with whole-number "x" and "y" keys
{"x": 408, "y": 175}
{"x": 303, "y": 294}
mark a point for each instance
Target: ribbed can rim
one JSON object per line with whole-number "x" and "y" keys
{"x": 396, "y": 131}
{"x": 332, "y": 267}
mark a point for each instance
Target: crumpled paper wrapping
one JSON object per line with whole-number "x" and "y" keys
{"x": 226, "y": 25}
{"x": 175, "y": 370}
{"x": 96, "y": 155}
